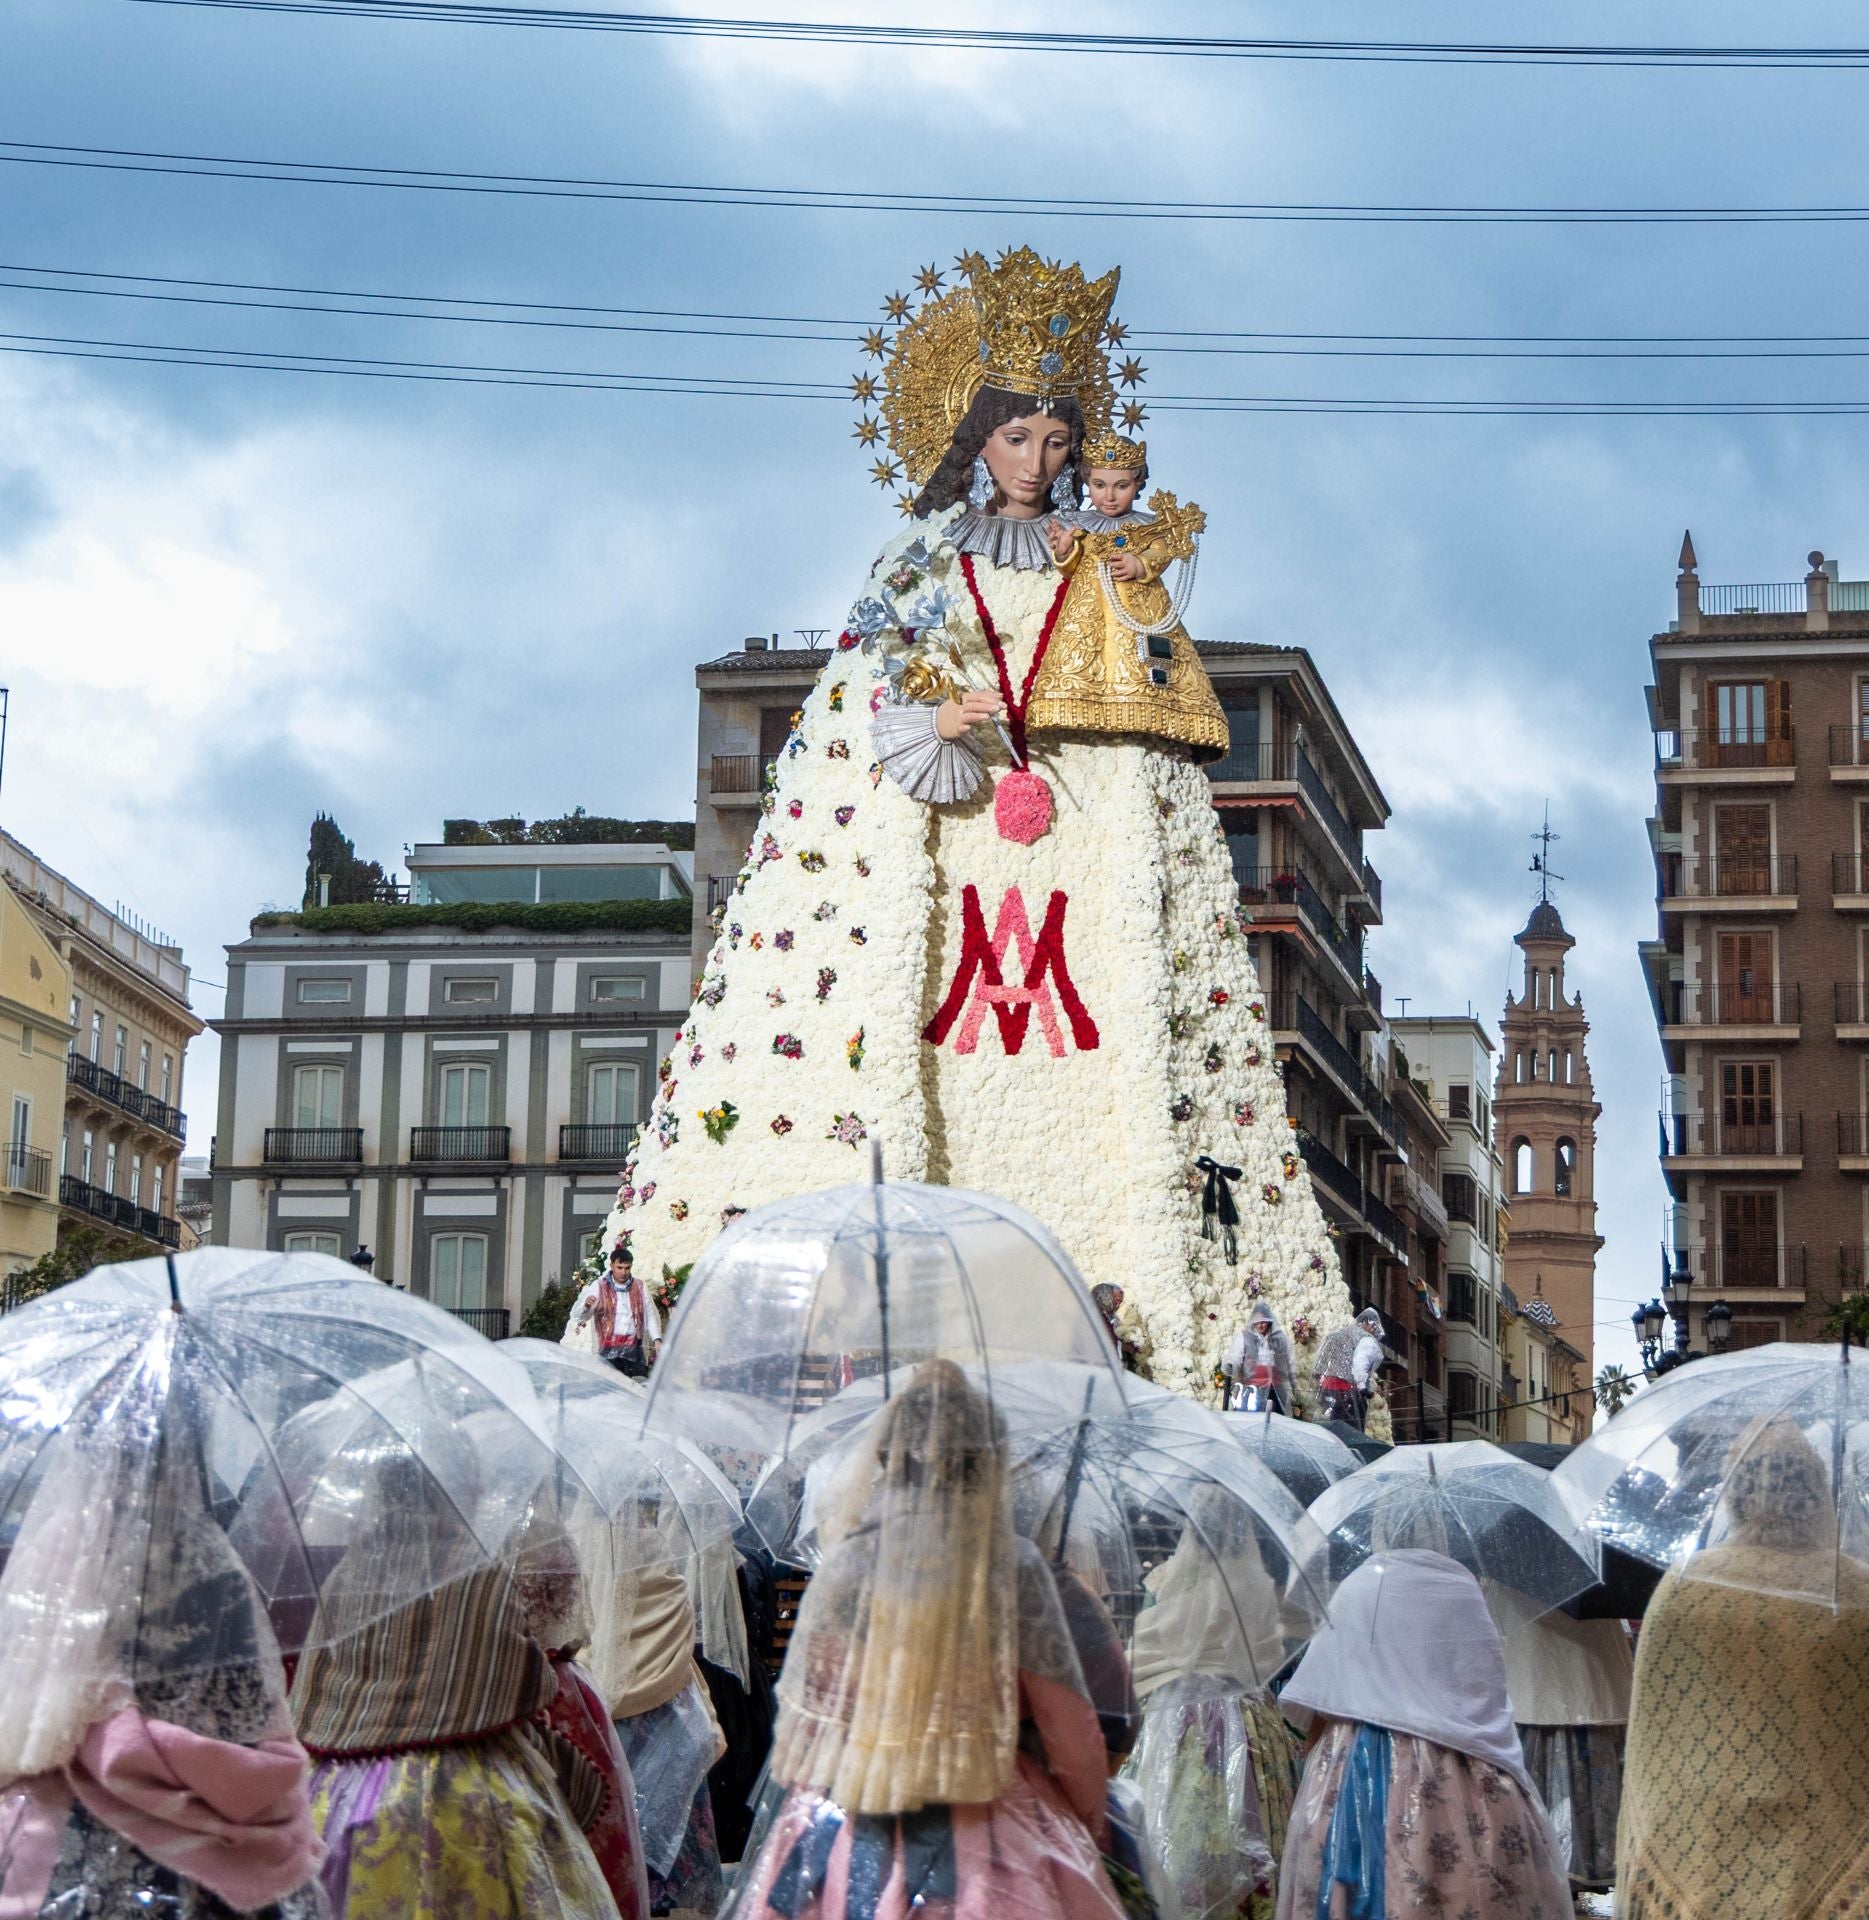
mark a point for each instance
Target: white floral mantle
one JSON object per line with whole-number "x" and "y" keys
{"x": 845, "y": 933}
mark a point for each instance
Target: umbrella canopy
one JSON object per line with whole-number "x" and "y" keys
{"x": 337, "y": 1430}
{"x": 1306, "y": 1456}
{"x": 1203, "y": 1560}
{"x": 1499, "y": 1517}
{"x": 798, "y": 1299}
{"x": 1748, "y": 1468}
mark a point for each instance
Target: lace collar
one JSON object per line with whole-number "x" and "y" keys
{"x": 1094, "y": 522}
{"x": 1005, "y": 542}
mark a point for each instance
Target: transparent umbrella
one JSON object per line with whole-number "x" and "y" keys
{"x": 322, "y": 1419}
{"x": 1751, "y": 1469}
{"x": 798, "y": 1299}
{"x": 1500, "y": 1518}
{"x": 1307, "y": 1457}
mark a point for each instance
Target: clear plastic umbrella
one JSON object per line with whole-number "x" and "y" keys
{"x": 1749, "y": 1468}
{"x": 1306, "y": 1456}
{"x": 798, "y": 1299}
{"x": 1502, "y": 1519}
{"x": 321, "y": 1418}
{"x": 1202, "y": 1559}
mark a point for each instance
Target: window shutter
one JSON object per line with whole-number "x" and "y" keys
{"x": 1778, "y": 722}
{"x": 1710, "y": 733}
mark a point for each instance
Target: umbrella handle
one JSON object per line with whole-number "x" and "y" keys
{"x": 1074, "y": 1474}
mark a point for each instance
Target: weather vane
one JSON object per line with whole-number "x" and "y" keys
{"x": 1541, "y": 860}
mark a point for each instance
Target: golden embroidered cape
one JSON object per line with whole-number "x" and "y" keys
{"x": 1743, "y": 1790}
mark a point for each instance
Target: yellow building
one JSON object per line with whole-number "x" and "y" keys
{"x": 1548, "y": 1399}
{"x": 35, "y": 1033}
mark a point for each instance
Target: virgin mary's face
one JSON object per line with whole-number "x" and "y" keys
{"x": 1024, "y": 457}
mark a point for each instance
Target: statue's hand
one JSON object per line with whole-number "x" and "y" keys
{"x": 1061, "y": 540}
{"x": 974, "y": 708}
{"x": 1125, "y": 567}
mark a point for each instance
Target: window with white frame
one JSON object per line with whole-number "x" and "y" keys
{"x": 610, "y": 1093}
{"x": 71, "y": 1045}
{"x": 618, "y": 986}
{"x": 590, "y": 1245}
{"x": 136, "y": 1178}
{"x": 119, "y": 1052}
{"x": 464, "y": 1092}
{"x": 110, "y": 1166}
{"x": 168, "y": 1077}
{"x": 142, "y": 1066}
{"x": 97, "y": 1035}
{"x": 317, "y": 1096}
{"x": 84, "y": 1162}
{"x": 322, "y": 989}
{"x": 457, "y": 1270}
{"x": 457, "y": 989}
{"x": 310, "y": 1241}
{"x": 25, "y": 1038}
{"x": 19, "y": 1141}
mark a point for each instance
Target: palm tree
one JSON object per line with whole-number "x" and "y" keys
{"x": 1613, "y": 1388}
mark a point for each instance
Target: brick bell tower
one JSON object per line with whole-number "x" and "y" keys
{"x": 1545, "y": 1113}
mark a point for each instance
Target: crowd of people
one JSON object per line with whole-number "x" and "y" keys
{"x": 959, "y": 1728}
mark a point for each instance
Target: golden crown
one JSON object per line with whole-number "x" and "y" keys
{"x": 1110, "y": 449}
{"x": 1019, "y": 325}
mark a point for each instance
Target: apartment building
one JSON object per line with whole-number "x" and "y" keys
{"x": 35, "y": 1034}
{"x": 1450, "y": 1057}
{"x": 1544, "y": 1115}
{"x": 129, "y": 1024}
{"x": 1760, "y": 705}
{"x": 454, "y": 1088}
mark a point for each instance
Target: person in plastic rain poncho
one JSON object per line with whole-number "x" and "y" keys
{"x": 438, "y": 1789}
{"x": 1258, "y": 1365}
{"x": 1415, "y": 1797}
{"x": 935, "y": 1748}
{"x": 1347, "y": 1362}
{"x": 1569, "y": 1681}
{"x": 147, "y": 1763}
{"x": 1216, "y": 1764}
{"x": 1743, "y": 1790}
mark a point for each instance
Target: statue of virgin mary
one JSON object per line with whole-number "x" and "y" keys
{"x": 988, "y": 915}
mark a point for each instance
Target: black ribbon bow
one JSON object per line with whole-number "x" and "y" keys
{"x": 1218, "y": 1201}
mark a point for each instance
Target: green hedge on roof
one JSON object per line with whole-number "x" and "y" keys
{"x": 481, "y": 916}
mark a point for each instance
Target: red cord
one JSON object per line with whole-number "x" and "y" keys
{"x": 1015, "y": 709}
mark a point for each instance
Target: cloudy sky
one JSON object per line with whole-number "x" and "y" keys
{"x": 229, "y": 598}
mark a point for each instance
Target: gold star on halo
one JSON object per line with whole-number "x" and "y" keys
{"x": 905, "y": 505}
{"x": 863, "y": 387}
{"x": 874, "y": 344}
{"x": 1115, "y": 333}
{"x": 897, "y": 306}
{"x": 930, "y": 278}
{"x": 867, "y": 431}
{"x": 970, "y": 263}
{"x": 1130, "y": 371}
{"x": 885, "y": 472}
{"x": 1133, "y": 411}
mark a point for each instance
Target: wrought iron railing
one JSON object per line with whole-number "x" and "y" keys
{"x": 1328, "y": 1172}
{"x": 28, "y": 1169}
{"x": 1761, "y": 596}
{"x": 1285, "y": 886}
{"x": 494, "y": 1322}
{"x": 460, "y": 1143}
{"x": 1770, "y": 1003}
{"x": 1852, "y": 1135}
{"x": 1385, "y": 1220}
{"x": 1849, "y": 872}
{"x": 118, "y": 1211}
{"x": 1727, "y": 876}
{"x": 312, "y": 1145}
{"x": 1684, "y": 1136}
{"x": 1311, "y": 785}
{"x": 1849, "y": 745}
{"x": 1247, "y": 764}
{"x": 595, "y": 1140}
{"x": 733, "y": 773}
{"x": 85, "y": 1073}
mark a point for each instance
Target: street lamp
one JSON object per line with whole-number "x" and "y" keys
{"x": 1648, "y": 1321}
{"x": 1719, "y": 1326}
{"x": 363, "y": 1259}
{"x": 1678, "y": 1291}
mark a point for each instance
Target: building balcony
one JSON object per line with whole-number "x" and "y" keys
{"x": 1411, "y": 1193}
{"x": 1849, "y": 755}
{"x": 1372, "y": 895}
{"x": 1331, "y": 1175}
{"x": 312, "y": 1146}
{"x": 1850, "y": 1005}
{"x": 116, "y": 1091}
{"x": 1731, "y": 883}
{"x": 1279, "y": 893}
{"x": 431, "y": 1144}
{"x": 735, "y": 779}
{"x": 1691, "y": 1145}
{"x": 494, "y": 1322}
{"x": 1849, "y": 882}
{"x": 1741, "y": 1011}
{"x": 1853, "y": 1142}
{"x": 1744, "y": 1275}
{"x": 1724, "y": 761}
{"x": 28, "y": 1170}
{"x": 719, "y": 890}
{"x": 115, "y": 1211}
{"x": 1278, "y": 771}
{"x": 600, "y": 1141}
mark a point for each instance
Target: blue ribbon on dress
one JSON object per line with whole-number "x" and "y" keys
{"x": 1354, "y": 1845}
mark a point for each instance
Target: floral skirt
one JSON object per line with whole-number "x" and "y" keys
{"x": 1578, "y": 1774}
{"x": 1217, "y": 1777}
{"x": 1442, "y": 1834}
{"x": 476, "y": 1832}
{"x": 1024, "y": 1857}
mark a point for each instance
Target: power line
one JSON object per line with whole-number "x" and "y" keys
{"x": 1018, "y": 40}
{"x": 729, "y": 386}
{"x": 1155, "y": 338}
{"x": 326, "y": 173}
